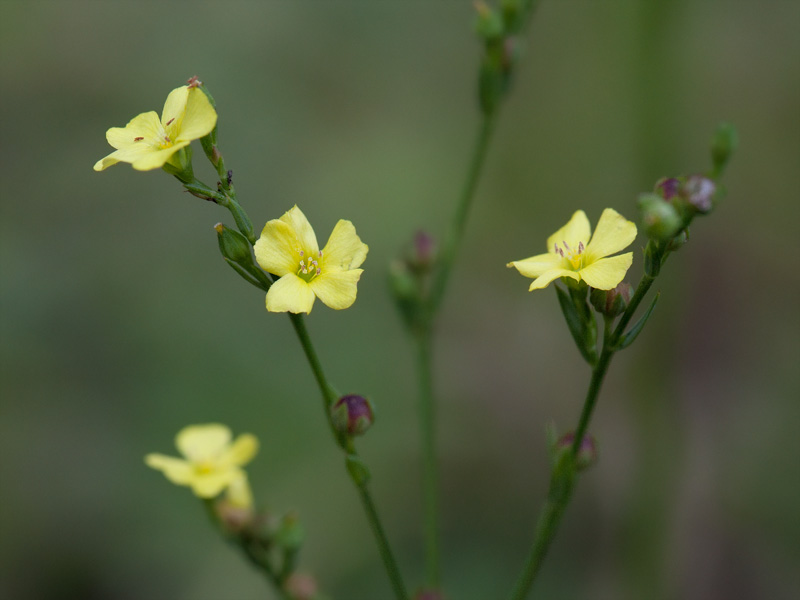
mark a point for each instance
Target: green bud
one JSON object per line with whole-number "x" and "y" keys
{"x": 289, "y": 534}
{"x": 660, "y": 220}
{"x": 489, "y": 23}
{"x": 233, "y": 245}
{"x": 612, "y": 302}
{"x": 723, "y": 145}
{"x": 587, "y": 451}
{"x": 679, "y": 240}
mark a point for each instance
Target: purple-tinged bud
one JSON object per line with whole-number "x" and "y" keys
{"x": 699, "y": 192}
{"x": 612, "y": 302}
{"x": 587, "y": 451}
{"x": 352, "y": 414}
{"x": 429, "y": 595}
{"x": 668, "y": 187}
{"x": 300, "y": 586}
{"x": 424, "y": 252}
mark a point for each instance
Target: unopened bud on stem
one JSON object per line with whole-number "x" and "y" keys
{"x": 352, "y": 414}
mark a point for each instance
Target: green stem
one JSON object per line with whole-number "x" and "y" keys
{"x": 384, "y": 548}
{"x": 430, "y": 475}
{"x": 638, "y": 296}
{"x": 456, "y": 231}
{"x": 329, "y": 397}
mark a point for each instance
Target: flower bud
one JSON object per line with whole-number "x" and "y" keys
{"x": 233, "y": 245}
{"x": 679, "y": 240}
{"x": 587, "y": 451}
{"x": 423, "y": 254}
{"x": 668, "y": 187}
{"x": 289, "y": 534}
{"x": 300, "y": 586}
{"x": 723, "y": 145}
{"x": 429, "y": 595}
{"x": 659, "y": 218}
{"x": 489, "y": 23}
{"x": 352, "y": 414}
{"x": 699, "y": 192}
{"x": 612, "y": 302}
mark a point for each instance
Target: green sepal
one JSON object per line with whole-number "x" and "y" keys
{"x": 582, "y": 326}
{"x": 626, "y": 339}
{"x": 358, "y": 470}
{"x": 723, "y": 145}
{"x": 289, "y": 534}
{"x": 652, "y": 259}
{"x": 246, "y": 276}
{"x": 243, "y": 222}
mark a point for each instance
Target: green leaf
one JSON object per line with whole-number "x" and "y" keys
{"x": 583, "y": 329}
{"x": 626, "y": 339}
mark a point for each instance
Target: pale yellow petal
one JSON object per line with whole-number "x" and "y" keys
{"x": 337, "y": 289}
{"x": 145, "y": 126}
{"x": 174, "y": 108}
{"x": 130, "y": 154}
{"x": 104, "y": 163}
{"x": 606, "y": 273}
{"x": 344, "y": 250}
{"x": 545, "y": 278}
{"x": 537, "y": 265}
{"x": 290, "y": 294}
{"x": 242, "y": 451}
{"x": 277, "y": 250}
{"x": 177, "y": 470}
{"x": 200, "y": 117}
{"x": 613, "y": 233}
{"x": 200, "y": 443}
{"x": 239, "y": 493}
{"x": 155, "y": 159}
{"x": 573, "y": 233}
{"x": 212, "y": 484}
{"x": 304, "y": 233}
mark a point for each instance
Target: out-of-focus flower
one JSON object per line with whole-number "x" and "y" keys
{"x": 212, "y": 462}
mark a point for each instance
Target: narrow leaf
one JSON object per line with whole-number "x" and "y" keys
{"x": 626, "y": 339}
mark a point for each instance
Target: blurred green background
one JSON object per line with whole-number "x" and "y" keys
{"x": 121, "y": 324}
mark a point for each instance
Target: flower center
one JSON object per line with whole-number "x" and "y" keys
{"x": 309, "y": 266}
{"x": 575, "y": 257}
{"x": 204, "y": 468}
{"x": 164, "y": 140}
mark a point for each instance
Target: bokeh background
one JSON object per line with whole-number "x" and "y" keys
{"x": 121, "y": 324}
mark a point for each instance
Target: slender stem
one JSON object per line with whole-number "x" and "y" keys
{"x": 549, "y": 519}
{"x": 329, "y": 397}
{"x": 598, "y": 374}
{"x": 430, "y": 475}
{"x": 638, "y": 296}
{"x": 456, "y": 231}
{"x": 383, "y": 544}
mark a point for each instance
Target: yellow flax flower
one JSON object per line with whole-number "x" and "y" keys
{"x": 148, "y": 142}
{"x": 288, "y": 248}
{"x": 575, "y": 253}
{"x": 212, "y": 463}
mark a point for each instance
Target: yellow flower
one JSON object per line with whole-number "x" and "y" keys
{"x": 572, "y": 254}
{"x": 212, "y": 462}
{"x": 148, "y": 142}
{"x": 288, "y": 248}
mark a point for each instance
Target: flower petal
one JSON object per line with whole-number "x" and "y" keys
{"x": 145, "y": 125}
{"x": 614, "y": 233}
{"x": 576, "y": 231}
{"x": 606, "y": 273}
{"x": 155, "y": 159}
{"x": 242, "y": 450}
{"x": 290, "y": 293}
{"x": 545, "y": 278}
{"x": 211, "y": 484}
{"x": 344, "y": 250}
{"x": 537, "y": 265}
{"x": 303, "y": 231}
{"x": 174, "y": 108}
{"x": 277, "y": 250}
{"x": 177, "y": 470}
{"x": 201, "y": 443}
{"x": 200, "y": 117}
{"x": 337, "y": 289}
{"x": 239, "y": 493}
